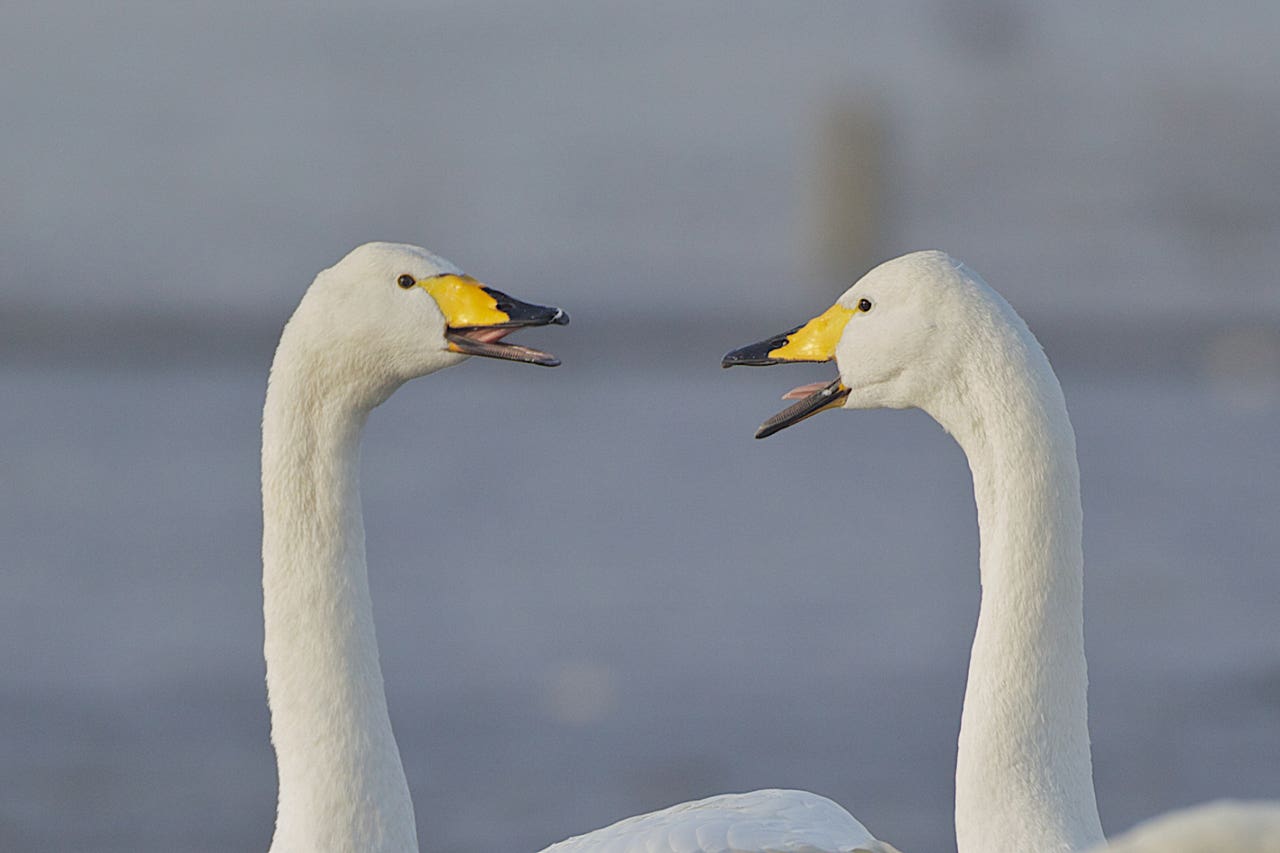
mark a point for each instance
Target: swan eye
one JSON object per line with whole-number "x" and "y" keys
{"x": 864, "y": 305}
{"x": 406, "y": 281}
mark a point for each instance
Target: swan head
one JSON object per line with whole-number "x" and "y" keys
{"x": 395, "y": 311}
{"x": 897, "y": 336}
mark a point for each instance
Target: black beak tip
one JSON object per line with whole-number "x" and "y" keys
{"x": 526, "y": 313}
{"x": 731, "y": 357}
{"x": 752, "y": 355}
{"x": 742, "y": 355}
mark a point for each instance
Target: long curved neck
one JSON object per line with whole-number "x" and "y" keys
{"x": 342, "y": 787}
{"x": 1024, "y": 779}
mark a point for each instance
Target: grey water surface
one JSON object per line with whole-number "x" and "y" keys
{"x": 597, "y": 595}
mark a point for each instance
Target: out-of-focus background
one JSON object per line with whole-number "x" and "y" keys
{"x": 596, "y": 594}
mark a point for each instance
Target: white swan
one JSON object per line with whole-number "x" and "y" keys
{"x": 924, "y": 331}
{"x": 384, "y": 314}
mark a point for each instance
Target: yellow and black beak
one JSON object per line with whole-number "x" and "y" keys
{"x": 814, "y": 341}
{"x": 479, "y": 317}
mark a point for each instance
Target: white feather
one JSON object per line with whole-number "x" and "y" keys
{"x": 1221, "y": 827}
{"x": 768, "y": 821}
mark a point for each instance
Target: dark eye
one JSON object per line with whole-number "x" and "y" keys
{"x": 406, "y": 281}
{"x": 864, "y": 305}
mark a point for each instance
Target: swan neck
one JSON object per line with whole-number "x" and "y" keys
{"x": 341, "y": 783}
{"x": 1024, "y": 779}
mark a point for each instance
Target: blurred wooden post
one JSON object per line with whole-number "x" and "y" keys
{"x": 847, "y": 192}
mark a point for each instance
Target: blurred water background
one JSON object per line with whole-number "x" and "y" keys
{"x": 596, "y": 595}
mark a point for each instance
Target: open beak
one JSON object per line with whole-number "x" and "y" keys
{"x": 479, "y": 317}
{"x": 814, "y": 398}
{"x": 815, "y": 341}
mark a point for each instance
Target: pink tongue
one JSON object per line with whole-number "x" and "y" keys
{"x": 805, "y": 391}
{"x": 488, "y": 336}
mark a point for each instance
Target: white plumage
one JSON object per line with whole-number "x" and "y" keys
{"x": 769, "y": 821}
{"x": 1221, "y": 827}
{"x": 924, "y": 331}
{"x": 384, "y": 314}
{"x": 919, "y": 331}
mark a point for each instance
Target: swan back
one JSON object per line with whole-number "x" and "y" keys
{"x": 1221, "y": 827}
{"x": 768, "y": 821}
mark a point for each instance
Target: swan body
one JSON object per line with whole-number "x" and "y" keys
{"x": 384, "y": 314}
{"x": 1222, "y": 827}
{"x": 924, "y": 331}
{"x": 771, "y": 821}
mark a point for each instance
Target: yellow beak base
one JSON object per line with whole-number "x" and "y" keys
{"x": 814, "y": 341}
{"x": 478, "y": 317}
{"x": 465, "y": 302}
